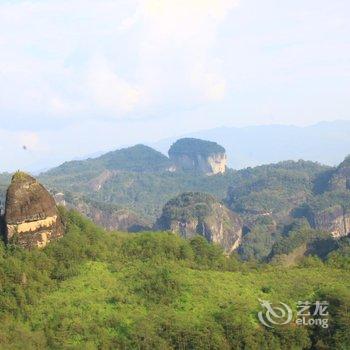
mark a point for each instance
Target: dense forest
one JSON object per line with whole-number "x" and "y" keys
{"x": 213, "y": 248}
{"x": 262, "y": 188}
{"x": 94, "y": 289}
{"x": 193, "y": 147}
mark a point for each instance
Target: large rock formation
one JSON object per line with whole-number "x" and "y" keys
{"x": 109, "y": 216}
{"x": 31, "y": 215}
{"x": 112, "y": 218}
{"x": 200, "y": 156}
{"x": 194, "y": 213}
{"x": 334, "y": 219}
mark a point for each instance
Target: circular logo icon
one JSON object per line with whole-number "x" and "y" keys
{"x": 274, "y": 315}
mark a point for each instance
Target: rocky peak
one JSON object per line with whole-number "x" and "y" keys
{"x": 31, "y": 216}
{"x": 195, "y": 213}
{"x": 189, "y": 154}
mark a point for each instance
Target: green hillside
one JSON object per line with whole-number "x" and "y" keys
{"x": 93, "y": 290}
{"x": 265, "y": 188}
{"x": 274, "y": 188}
{"x": 145, "y": 193}
{"x": 138, "y": 158}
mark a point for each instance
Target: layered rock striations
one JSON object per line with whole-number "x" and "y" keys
{"x": 194, "y": 213}
{"x": 31, "y": 216}
{"x": 334, "y": 219}
{"x": 110, "y": 216}
{"x": 113, "y": 218}
{"x": 199, "y": 156}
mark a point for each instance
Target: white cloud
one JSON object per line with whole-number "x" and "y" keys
{"x": 177, "y": 50}
{"x": 209, "y": 81}
{"x": 72, "y": 58}
{"x": 183, "y": 22}
{"x": 144, "y": 69}
{"x": 109, "y": 91}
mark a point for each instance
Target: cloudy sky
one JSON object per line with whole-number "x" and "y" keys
{"x": 83, "y": 76}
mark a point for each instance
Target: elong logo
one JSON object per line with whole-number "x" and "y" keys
{"x": 308, "y": 314}
{"x": 275, "y": 315}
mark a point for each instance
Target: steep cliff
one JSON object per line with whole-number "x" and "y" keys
{"x": 334, "y": 219}
{"x": 194, "y": 213}
{"x": 31, "y": 216}
{"x": 109, "y": 216}
{"x": 200, "y": 156}
{"x": 112, "y": 218}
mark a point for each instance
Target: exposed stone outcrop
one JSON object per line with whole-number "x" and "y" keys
{"x": 109, "y": 216}
{"x": 335, "y": 220}
{"x": 200, "y": 156}
{"x": 192, "y": 214}
{"x": 119, "y": 219}
{"x": 96, "y": 183}
{"x": 31, "y": 216}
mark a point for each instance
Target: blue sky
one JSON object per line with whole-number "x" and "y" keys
{"x": 82, "y": 76}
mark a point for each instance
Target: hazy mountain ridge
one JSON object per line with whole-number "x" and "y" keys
{"x": 325, "y": 142}
{"x": 128, "y": 189}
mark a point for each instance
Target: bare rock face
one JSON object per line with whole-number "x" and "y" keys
{"x": 109, "y": 216}
{"x": 119, "y": 219}
{"x": 335, "y": 220}
{"x": 31, "y": 215}
{"x": 199, "y": 156}
{"x": 192, "y": 214}
{"x": 97, "y": 183}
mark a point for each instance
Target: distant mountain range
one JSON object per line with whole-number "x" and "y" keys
{"x": 325, "y": 142}
{"x": 192, "y": 192}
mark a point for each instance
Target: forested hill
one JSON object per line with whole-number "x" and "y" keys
{"x": 138, "y": 158}
{"x": 98, "y": 290}
{"x": 129, "y": 189}
{"x": 147, "y": 192}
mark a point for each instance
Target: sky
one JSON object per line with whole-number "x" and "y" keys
{"x": 78, "y": 77}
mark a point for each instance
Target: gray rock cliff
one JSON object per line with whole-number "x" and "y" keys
{"x": 194, "y": 213}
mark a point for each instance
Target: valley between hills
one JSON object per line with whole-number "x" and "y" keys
{"x": 137, "y": 250}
